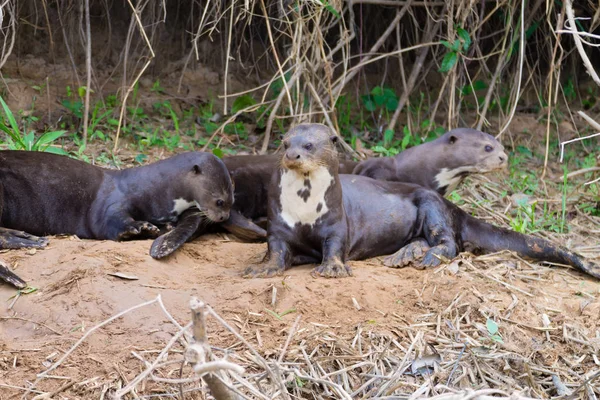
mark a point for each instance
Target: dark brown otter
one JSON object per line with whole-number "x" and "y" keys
{"x": 46, "y": 194}
{"x": 440, "y": 164}
{"x": 316, "y": 215}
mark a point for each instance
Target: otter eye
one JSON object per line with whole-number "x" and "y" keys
{"x": 488, "y": 148}
{"x": 308, "y": 146}
{"x": 220, "y": 203}
{"x": 286, "y": 145}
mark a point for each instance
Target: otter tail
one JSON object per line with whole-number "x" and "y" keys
{"x": 492, "y": 238}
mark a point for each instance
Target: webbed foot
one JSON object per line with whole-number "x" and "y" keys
{"x": 332, "y": 269}
{"x": 409, "y": 254}
{"x": 266, "y": 270}
{"x": 10, "y": 277}
{"x": 436, "y": 256}
{"x": 13, "y": 239}
{"x": 139, "y": 230}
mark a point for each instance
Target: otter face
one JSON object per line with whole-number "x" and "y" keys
{"x": 468, "y": 151}
{"x": 211, "y": 188}
{"x": 479, "y": 151}
{"x": 308, "y": 147}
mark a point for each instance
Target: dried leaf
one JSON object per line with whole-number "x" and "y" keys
{"x": 123, "y": 276}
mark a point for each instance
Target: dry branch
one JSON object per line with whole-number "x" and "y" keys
{"x": 199, "y": 352}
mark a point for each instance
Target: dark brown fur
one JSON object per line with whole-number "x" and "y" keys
{"x": 440, "y": 164}
{"x": 367, "y": 218}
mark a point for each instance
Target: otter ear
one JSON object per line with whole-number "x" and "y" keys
{"x": 281, "y": 136}
{"x": 196, "y": 169}
{"x": 333, "y": 138}
{"x": 452, "y": 139}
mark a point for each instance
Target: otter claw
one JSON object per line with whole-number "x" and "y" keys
{"x": 412, "y": 252}
{"x": 434, "y": 257}
{"x": 139, "y": 228}
{"x": 332, "y": 271}
{"x": 262, "y": 271}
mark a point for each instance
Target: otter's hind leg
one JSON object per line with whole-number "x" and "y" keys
{"x": 438, "y": 228}
{"x": 12, "y": 239}
{"x": 411, "y": 253}
{"x": 8, "y": 276}
{"x": 437, "y": 240}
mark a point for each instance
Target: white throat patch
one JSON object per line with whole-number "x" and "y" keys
{"x": 182, "y": 204}
{"x": 450, "y": 178}
{"x": 303, "y": 196}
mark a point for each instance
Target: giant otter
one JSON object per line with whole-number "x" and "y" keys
{"x": 440, "y": 164}
{"x": 317, "y": 216}
{"x": 46, "y": 194}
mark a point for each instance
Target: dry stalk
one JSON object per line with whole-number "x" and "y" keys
{"x": 136, "y": 16}
{"x": 88, "y": 67}
{"x": 198, "y": 352}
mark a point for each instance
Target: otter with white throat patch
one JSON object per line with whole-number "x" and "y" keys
{"x": 316, "y": 215}
{"x": 441, "y": 164}
{"x": 47, "y": 194}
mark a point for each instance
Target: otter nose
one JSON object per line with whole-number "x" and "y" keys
{"x": 292, "y": 155}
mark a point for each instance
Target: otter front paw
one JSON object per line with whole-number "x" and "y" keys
{"x": 411, "y": 253}
{"x": 139, "y": 229}
{"x": 267, "y": 270}
{"x": 335, "y": 269}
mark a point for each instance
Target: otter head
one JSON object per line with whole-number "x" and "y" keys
{"x": 467, "y": 151}
{"x": 309, "y": 171}
{"x": 209, "y": 186}
{"x": 479, "y": 151}
{"x": 307, "y": 147}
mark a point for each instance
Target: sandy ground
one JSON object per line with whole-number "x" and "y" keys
{"x": 76, "y": 292}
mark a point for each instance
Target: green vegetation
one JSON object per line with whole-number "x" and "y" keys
{"x": 26, "y": 140}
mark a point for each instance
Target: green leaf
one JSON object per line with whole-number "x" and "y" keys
{"x": 140, "y": 158}
{"x": 448, "y": 62}
{"x": 388, "y": 136}
{"x": 56, "y": 150}
{"x": 446, "y": 44}
{"x": 210, "y": 127}
{"x": 11, "y": 119}
{"x": 464, "y": 35}
{"x": 331, "y": 9}
{"x": 242, "y": 102}
{"x": 218, "y": 152}
{"x": 369, "y": 105}
{"x": 405, "y": 140}
{"x": 29, "y": 140}
{"x": 524, "y": 150}
{"x": 491, "y": 326}
{"x": 48, "y": 138}
{"x": 378, "y": 95}
{"x": 391, "y": 104}
{"x": 377, "y": 91}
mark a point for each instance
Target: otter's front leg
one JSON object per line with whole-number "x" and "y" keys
{"x": 278, "y": 258}
{"x": 187, "y": 227}
{"x": 333, "y": 265}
